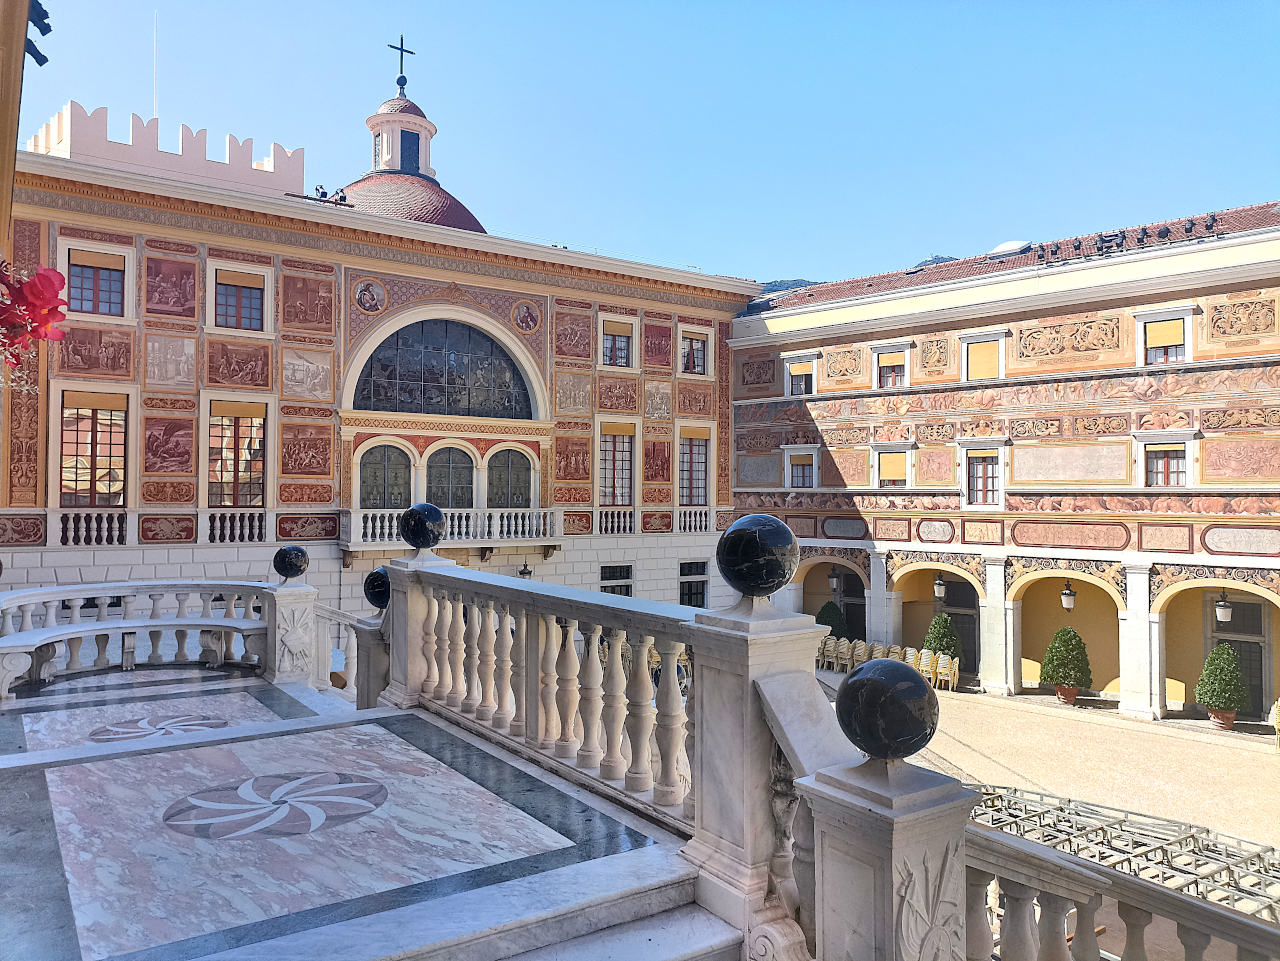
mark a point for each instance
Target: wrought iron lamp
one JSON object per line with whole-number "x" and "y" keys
{"x": 524, "y": 571}
{"x": 939, "y": 587}
{"x": 1222, "y": 608}
{"x": 1068, "y": 597}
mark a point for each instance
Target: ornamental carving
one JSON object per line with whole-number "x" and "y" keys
{"x": 240, "y": 256}
{"x": 418, "y": 423}
{"x": 655, "y": 522}
{"x": 838, "y": 501}
{"x": 166, "y": 528}
{"x": 802, "y": 435}
{"x": 758, "y": 373}
{"x": 983, "y": 428}
{"x": 570, "y": 495}
{"x": 1243, "y": 319}
{"x": 306, "y": 493}
{"x": 578, "y": 304}
{"x": 22, "y": 421}
{"x": 1164, "y": 576}
{"x": 843, "y": 364}
{"x": 935, "y": 433}
{"x": 1076, "y": 337}
{"x": 101, "y": 236}
{"x": 1240, "y": 418}
{"x": 290, "y": 264}
{"x": 855, "y": 556}
{"x": 935, "y": 354}
{"x": 289, "y": 410}
{"x": 1165, "y": 420}
{"x": 17, "y": 530}
{"x": 1180, "y": 502}
{"x": 169, "y": 403}
{"x": 724, "y": 406}
{"x": 931, "y": 906}
{"x": 970, "y": 563}
{"x": 725, "y": 519}
{"x": 168, "y": 492}
{"x": 172, "y": 246}
{"x": 1102, "y": 424}
{"x": 307, "y": 527}
{"x": 892, "y": 433}
{"x": 581, "y": 426}
{"x": 621, "y": 311}
{"x": 846, "y": 436}
{"x": 1036, "y": 427}
{"x": 756, "y": 440}
{"x": 656, "y": 495}
{"x": 1112, "y": 572}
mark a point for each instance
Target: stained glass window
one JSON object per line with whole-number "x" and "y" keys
{"x": 386, "y": 479}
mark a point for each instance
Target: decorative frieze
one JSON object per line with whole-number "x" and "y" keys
{"x": 1028, "y": 428}
{"x": 856, "y": 556}
{"x": 757, "y": 373}
{"x": 1076, "y": 337}
{"x": 1099, "y": 425}
{"x": 970, "y": 563}
{"x": 1179, "y": 502}
{"x": 1245, "y": 318}
{"x": 1111, "y": 572}
{"x": 935, "y": 433}
{"x": 1164, "y": 576}
{"x": 1240, "y": 418}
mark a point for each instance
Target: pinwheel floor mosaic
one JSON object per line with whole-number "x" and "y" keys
{"x": 182, "y": 853}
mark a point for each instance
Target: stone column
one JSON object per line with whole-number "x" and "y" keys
{"x": 403, "y": 621}
{"x": 878, "y": 602}
{"x": 1161, "y": 703}
{"x": 1140, "y": 694}
{"x": 1013, "y": 646}
{"x": 993, "y": 664}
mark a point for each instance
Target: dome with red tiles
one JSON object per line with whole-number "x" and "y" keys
{"x": 410, "y": 197}
{"x": 402, "y": 105}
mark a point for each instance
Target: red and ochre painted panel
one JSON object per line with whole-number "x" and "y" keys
{"x": 166, "y": 528}
{"x": 307, "y": 527}
{"x": 657, "y": 461}
{"x": 655, "y": 522}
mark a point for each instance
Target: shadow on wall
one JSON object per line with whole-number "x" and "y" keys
{"x": 1096, "y": 618}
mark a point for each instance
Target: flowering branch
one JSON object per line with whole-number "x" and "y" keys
{"x": 30, "y": 310}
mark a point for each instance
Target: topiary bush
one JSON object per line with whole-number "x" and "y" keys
{"x": 941, "y": 637}
{"x": 1221, "y": 685}
{"x": 832, "y": 617}
{"x": 1066, "y": 662}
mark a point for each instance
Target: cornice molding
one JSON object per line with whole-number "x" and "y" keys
{"x": 60, "y": 185}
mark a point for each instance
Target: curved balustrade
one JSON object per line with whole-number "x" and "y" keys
{"x": 51, "y": 631}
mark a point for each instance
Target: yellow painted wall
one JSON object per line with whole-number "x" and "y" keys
{"x": 1184, "y": 644}
{"x": 816, "y": 589}
{"x": 917, "y": 606}
{"x": 1095, "y": 617}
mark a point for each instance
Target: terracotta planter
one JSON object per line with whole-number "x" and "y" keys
{"x": 1222, "y": 720}
{"x": 1066, "y": 695}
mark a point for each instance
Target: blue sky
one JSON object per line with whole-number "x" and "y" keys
{"x": 764, "y": 140}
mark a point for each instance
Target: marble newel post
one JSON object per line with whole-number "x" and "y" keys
{"x": 292, "y": 652}
{"x": 422, "y": 526}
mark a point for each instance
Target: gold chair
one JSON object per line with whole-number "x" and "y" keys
{"x": 820, "y": 661}
{"x": 955, "y": 673}
{"x": 877, "y": 651}
{"x": 925, "y": 666}
{"x": 911, "y": 656}
{"x": 859, "y": 652}
{"x": 844, "y": 656}
{"x": 941, "y": 670}
{"x": 895, "y": 652}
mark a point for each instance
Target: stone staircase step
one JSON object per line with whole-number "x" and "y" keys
{"x": 688, "y": 933}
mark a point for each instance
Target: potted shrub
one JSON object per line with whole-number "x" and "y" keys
{"x": 1066, "y": 665}
{"x": 831, "y": 617}
{"x": 1221, "y": 689}
{"x": 941, "y": 637}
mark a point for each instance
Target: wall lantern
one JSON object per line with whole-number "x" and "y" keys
{"x": 524, "y": 571}
{"x": 939, "y": 587}
{"x": 833, "y": 579}
{"x": 1222, "y": 608}
{"x": 1068, "y": 597}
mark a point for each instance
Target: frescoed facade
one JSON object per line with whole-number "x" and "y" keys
{"x": 246, "y": 367}
{"x": 971, "y": 435}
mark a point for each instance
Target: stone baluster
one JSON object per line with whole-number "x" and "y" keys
{"x": 444, "y": 631}
{"x": 1135, "y": 931}
{"x": 550, "y": 729}
{"x": 488, "y": 640}
{"x": 50, "y": 613}
{"x": 457, "y": 627}
{"x": 639, "y": 723}
{"x": 155, "y": 657}
{"x": 1017, "y": 927}
{"x": 613, "y": 766}
{"x": 501, "y": 720}
{"x": 206, "y": 603}
{"x": 518, "y": 727}
{"x": 1194, "y": 942}
{"x": 1053, "y": 927}
{"x": 351, "y": 653}
{"x": 670, "y": 720}
{"x": 690, "y": 745}
{"x": 230, "y": 609}
{"x": 567, "y": 696}
{"x": 431, "y": 617}
{"x": 26, "y": 624}
{"x": 183, "y": 598}
{"x": 73, "y": 643}
{"x": 591, "y": 679}
{"x": 128, "y": 639}
{"x": 100, "y": 639}
{"x": 1084, "y": 943}
{"x": 6, "y": 622}
{"x": 471, "y": 660}
{"x": 979, "y": 945}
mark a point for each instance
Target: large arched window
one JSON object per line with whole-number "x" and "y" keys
{"x": 450, "y": 479}
{"x": 386, "y": 479}
{"x": 443, "y": 367}
{"x": 510, "y": 479}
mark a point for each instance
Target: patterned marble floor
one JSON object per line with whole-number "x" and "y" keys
{"x": 168, "y": 855}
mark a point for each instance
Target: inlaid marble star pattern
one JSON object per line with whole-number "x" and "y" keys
{"x": 138, "y": 728}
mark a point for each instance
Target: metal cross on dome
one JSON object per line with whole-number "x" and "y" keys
{"x": 400, "y": 80}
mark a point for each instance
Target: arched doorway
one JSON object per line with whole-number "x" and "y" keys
{"x": 960, "y": 601}
{"x": 1096, "y": 616}
{"x": 386, "y": 478}
{"x": 850, "y": 595}
{"x": 1192, "y": 628}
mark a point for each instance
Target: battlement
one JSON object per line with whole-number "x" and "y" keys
{"x": 80, "y": 135}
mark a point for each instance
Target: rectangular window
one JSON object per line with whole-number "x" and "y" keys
{"x": 617, "y": 344}
{"x": 616, "y": 451}
{"x": 893, "y": 369}
{"x": 96, "y": 283}
{"x": 693, "y": 471}
{"x": 983, "y": 360}
{"x": 984, "y": 477}
{"x": 237, "y": 443}
{"x": 1166, "y": 465}
{"x": 1164, "y": 341}
{"x": 802, "y": 470}
{"x": 893, "y": 468}
{"x": 616, "y": 579}
{"x": 801, "y": 378}
{"x": 409, "y": 151}
{"x": 693, "y": 354}
{"x": 693, "y": 583}
{"x": 94, "y": 435}
{"x": 238, "y": 300}
{"x": 377, "y": 150}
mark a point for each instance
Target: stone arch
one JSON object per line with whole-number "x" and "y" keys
{"x": 1018, "y": 588}
{"x": 808, "y": 563}
{"x": 956, "y": 569}
{"x": 530, "y": 369}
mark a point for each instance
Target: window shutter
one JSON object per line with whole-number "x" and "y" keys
{"x": 798, "y": 369}
{"x": 896, "y": 359}
{"x": 1164, "y": 333}
{"x": 233, "y": 408}
{"x": 704, "y": 432}
{"x": 91, "y": 258}
{"x": 238, "y": 278}
{"x": 1180, "y": 448}
{"x": 984, "y": 453}
{"x": 618, "y": 327}
{"x": 984, "y": 360}
{"x": 617, "y": 428}
{"x": 801, "y": 460}
{"x": 893, "y": 464}
{"x": 88, "y": 400}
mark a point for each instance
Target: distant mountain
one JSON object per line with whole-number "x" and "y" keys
{"x": 777, "y": 286}
{"x": 936, "y": 259}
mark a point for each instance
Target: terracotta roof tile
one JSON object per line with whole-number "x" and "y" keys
{"x": 420, "y": 199}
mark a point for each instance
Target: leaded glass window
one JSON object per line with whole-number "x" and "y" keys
{"x": 450, "y": 479}
{"x": 510, "y": 479}
{"x": 386, "y": 479}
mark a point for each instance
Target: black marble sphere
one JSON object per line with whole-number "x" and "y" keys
{"x": 887, "y": 709}
{"x": 377, "y": 588}
{"x": 422, "y": 526}
{"x": 758, "y": 555}
{"x": 291, "y": 561}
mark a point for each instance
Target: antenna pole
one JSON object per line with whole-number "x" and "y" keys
{"x": 155, "y": 65}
